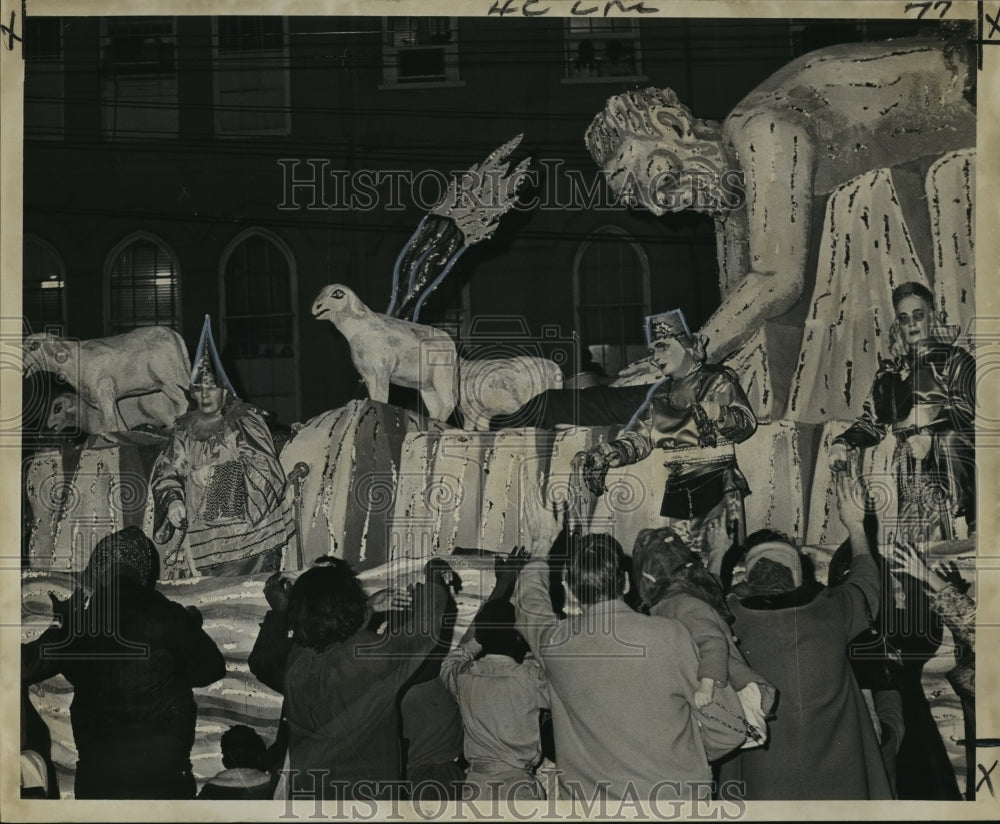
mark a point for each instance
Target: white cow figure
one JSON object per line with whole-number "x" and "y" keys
{"x": 500, "y": 386}
{"x": 388, "y": 350}
{"x": 141, "y": 362}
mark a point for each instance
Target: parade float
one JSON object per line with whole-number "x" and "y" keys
{"x": 386, "y": 487}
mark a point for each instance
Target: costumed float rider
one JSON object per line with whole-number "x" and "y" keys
{"x": 695, "y": 404}
{"x": 926, "y": 392}
{"x": 219, "y": 482}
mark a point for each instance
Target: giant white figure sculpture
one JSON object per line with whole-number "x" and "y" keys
{"x": 833, "y": 116}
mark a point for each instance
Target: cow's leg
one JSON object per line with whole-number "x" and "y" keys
{"x": 106, "y": 400}
{"x": 439, "y": 396}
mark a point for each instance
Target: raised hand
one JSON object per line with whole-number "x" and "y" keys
{"x": 391, "y": 599}
{"x": 63, "y": 610}
{"x": 276, "y": 591}
{"x": 948, "y": 572}
{"x": 851, "y": 497}
{"x": 506, "y": 570}
{"x": 907, "y": 559}
{"x": 441, "y": 569}
{"x": 839, "y": 457}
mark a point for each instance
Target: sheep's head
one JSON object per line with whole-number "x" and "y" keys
{"x": 333, "y": 301}
{"x": 64, "y": 412}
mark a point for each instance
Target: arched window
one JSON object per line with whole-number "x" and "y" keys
{"x": 611, "y": 295}
{"x": 259, "y": 325}
{"x": 44, "y": 291}
{"x": 142, "y": 285}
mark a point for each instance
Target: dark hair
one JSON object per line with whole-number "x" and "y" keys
{"x": 665, "y": 564}
{"x": 594, "y": 572}
{"x": 496, "y": 633}
{"x": 765, "y": 536}
{"x": 126, "y": 554}
{"x": 326, "y": 605}
{"x": 242, "y": 747}
{"x": 912, "y": 289}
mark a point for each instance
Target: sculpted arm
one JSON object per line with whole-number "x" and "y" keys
{"x": 777, "y": 158}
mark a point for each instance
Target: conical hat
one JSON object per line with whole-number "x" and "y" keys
{"x": 207, "y": 364}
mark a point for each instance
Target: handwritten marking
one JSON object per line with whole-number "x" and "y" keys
{"x": 7, "y": 32}
{"x": 994, "y": 22}
{"x": 526, "y": 8}
{"x": 926, "y": 5}
{"x": 986, "y": 778}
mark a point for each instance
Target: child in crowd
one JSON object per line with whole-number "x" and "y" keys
{"x": 500, "y": 693}
{"x": 673, "y": 583}
{"x": 243, "y": 779}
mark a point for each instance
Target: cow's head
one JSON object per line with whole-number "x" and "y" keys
{"x": 44, "y": 351}
{"x": 336, "y": 300}
{"x": 64, "y": 412}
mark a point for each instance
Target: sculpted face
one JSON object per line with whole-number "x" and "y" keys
{"x": 655, "y": 154}
{"x": 914, "y": 317}
{"x": 63, "y": 414}
{"x": 329, "y": 300}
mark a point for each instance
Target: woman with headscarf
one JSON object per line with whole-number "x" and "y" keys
{"x": 133, "y": 658}
{"x": 795, "y": 633}
{"x": 673, "y": 583}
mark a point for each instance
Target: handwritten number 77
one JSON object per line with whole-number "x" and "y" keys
{"x": 926, "y": 5}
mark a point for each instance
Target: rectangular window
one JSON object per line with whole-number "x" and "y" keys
{"x": 419, "y": 51}
{"x": 599, "y": 49}
{"x": 43, "y": 78}
{"x": 139, "y": 78}
{"x": 251, "y": 76}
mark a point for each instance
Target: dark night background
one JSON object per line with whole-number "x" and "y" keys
{"x": 152, "y": 184}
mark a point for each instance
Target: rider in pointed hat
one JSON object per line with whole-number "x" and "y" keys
{"x": 218, "y": 481}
